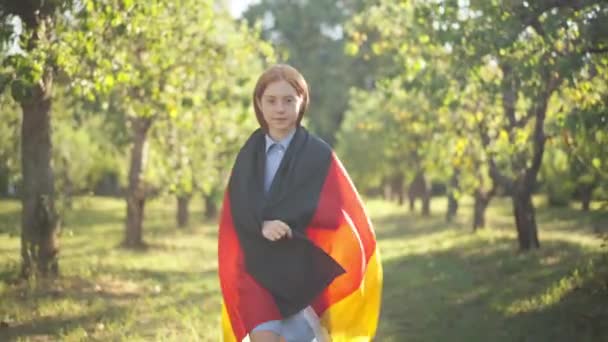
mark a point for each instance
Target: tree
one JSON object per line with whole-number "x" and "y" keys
{"x": 30, "y": 72}
{"x": 194, "y": 155}
{"x": 398, "y": 125}
{"x": 583, "y": 129}
{"x": 310, "y": 35}
{"x": 536, "y": 46}
{"x": 82, "y": 152}
{"x": 162, "y": 70}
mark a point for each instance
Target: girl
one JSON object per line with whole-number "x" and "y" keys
{"x": 297, "y": 253}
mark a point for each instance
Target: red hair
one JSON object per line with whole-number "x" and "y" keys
{"x": 276, "y": 73}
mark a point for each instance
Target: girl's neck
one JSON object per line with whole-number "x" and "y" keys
{"x": 278, "y": 135}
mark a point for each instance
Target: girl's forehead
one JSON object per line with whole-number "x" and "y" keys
{"x": 280, "y": 88}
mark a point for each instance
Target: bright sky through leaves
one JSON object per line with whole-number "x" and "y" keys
{"x": 237, "y": 7}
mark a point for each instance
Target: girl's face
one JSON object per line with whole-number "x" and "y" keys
{"x": 280, "y": 105}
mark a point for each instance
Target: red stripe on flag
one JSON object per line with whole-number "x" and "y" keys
{"x": 342, "y": 229}
{"x": 248, "y": 304}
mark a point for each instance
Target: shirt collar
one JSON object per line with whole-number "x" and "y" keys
{"x": 284, "y": 142}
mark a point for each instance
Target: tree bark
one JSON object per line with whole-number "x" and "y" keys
{"x": 412, "y": 202}
{"x": 452, "y": 208}
{"x": 452, "y": 201}
{"x": 136, "y": 196}
{"x": 419, "y": 188}
{"x": 586, "y": 192}
{"x": 397, "y": 188}
{"x": 3, "y": 180}
{"x": 426, "y": 203}
{"x": 479, "y": 214}
{"x": 482, "y": 200}
{"x": 39, "y": 218}
{"x": 183, "y": 213}
{"x": 386, "y": 191}
{"x": 525, "y": 220}
{"x": 211, "y": 209}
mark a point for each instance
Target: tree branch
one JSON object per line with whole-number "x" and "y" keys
{"x": 495, "y": 174}
{"x": 551, "y": 83}
{"x": 509, "y": 93}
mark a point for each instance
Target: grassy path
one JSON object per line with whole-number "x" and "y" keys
{"x": 442, "y": 283}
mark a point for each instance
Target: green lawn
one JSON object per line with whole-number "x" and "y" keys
{"x": 441, "y": 282}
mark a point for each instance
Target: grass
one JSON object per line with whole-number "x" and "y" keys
{"x": 441, "y": 282}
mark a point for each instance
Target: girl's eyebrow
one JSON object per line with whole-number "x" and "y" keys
{"x": 272, "y": 96}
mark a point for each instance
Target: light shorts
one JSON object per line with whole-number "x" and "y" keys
{"x": 294, "y": 328}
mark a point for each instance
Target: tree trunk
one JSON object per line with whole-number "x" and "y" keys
{"x": 397, "y": 188}
{"x": 39, "y": 219}
{"x": 426, "y": 203}
{"x": 525, "y": 221}
{"x": 211, "y": 209}
{"x": 527, "y": 170}
{"x": 452, "y": 207}
{"x": 479, "y": 215}
{"x": 386, "y": 190}
{"x": 452, "y": 201}
{"x": 136, "y": 190}
{"x": 412, "y": 202}
{"x": 3, "y": 180}
{"x": 183, "y": 214}
{"x": 482, "y": 200}
{"x": 419, "y": 188}
{"x": 586, "y": 192}
{"x": 479, "y": 211}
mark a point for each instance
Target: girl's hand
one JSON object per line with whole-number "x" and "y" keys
{"x": 275, "y": 230}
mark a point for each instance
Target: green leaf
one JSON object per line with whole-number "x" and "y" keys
{"x": 351, "y": 49}
{"x": 5, "y": 79}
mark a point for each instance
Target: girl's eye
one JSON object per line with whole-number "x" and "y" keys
{"x": 289, "y": 100}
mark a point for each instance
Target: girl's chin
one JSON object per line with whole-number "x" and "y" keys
{"x": 282, "y": 126}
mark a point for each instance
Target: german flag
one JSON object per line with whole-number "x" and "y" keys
{"x": 332, "y": 262}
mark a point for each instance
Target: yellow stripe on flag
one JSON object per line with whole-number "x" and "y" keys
{"x": 227, "y": 326}
{"x": 355, "y": 318}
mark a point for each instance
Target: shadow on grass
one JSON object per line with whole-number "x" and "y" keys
{"x": 75, "y": 288}
{"x": 580, "y": 315}
{"x": 91, "y": 216}
{"x": 50, "y": 328}
{"x": 158, "y": 276}
{"x": 409, "y": 225}
{"x": 117, "y": 298}
{"x": 596, "y": 220}
{"x": 86, "y": 216}
{"x": 471, "y": 293}
{"x": 412, "y": 225}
